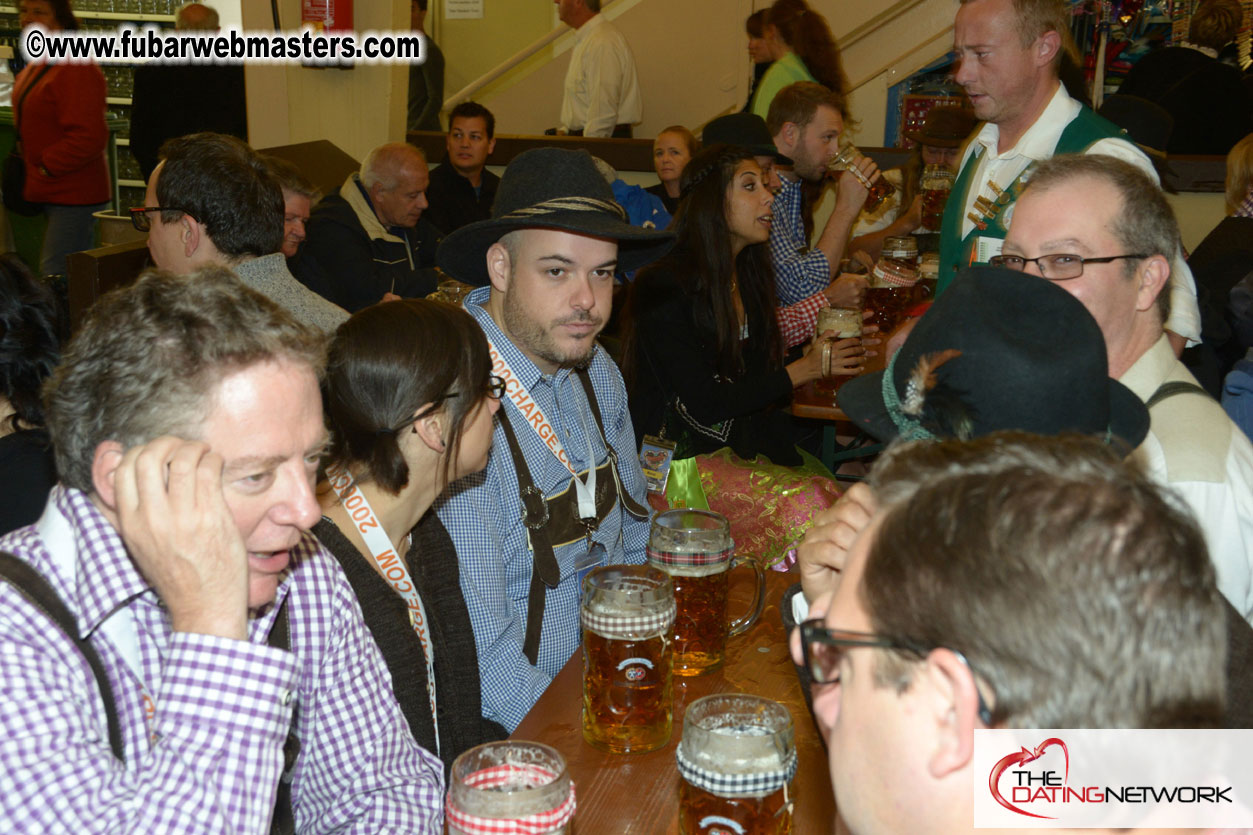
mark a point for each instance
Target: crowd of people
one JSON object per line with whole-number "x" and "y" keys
{"x": 316, "y": 532}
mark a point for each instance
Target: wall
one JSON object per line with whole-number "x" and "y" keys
{"x": 356, "y": 108}
{"x": 691, "y": 56}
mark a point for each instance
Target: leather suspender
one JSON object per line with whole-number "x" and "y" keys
{"x": 550, "y": 521}
{"x": 32, "y": 585}
{"x": 1173, "y": 387}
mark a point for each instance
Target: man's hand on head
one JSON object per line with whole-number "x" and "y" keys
{"x": 174, "y": 520}
{"x": 824, "y": 550}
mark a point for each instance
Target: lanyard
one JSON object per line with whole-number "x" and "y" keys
{"x": 516, "y": 393}
{"x": 120, "y": 626}
{"x": 393, "y": 568}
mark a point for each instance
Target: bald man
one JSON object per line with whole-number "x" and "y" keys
{"x": 370, "y": 240}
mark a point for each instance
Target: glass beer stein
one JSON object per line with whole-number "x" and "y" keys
{"x": 891, "y": 291}
{"x": 936, "y": 183}
{"x": 845, "y": 321}
{"x": 695, "y": 548}
{"x": 628, "y": 645}
{"x": 846, "y": 160}
{"x": 736, "y": 760}
{"x": 510, "y": 786}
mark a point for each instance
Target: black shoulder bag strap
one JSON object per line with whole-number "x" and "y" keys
{"x": 545, "y": 572}
{"x": 628, "y": 501}
{"x": 44, "y": 597}
{"x": 17, "y": 110}
{"x": 1170, "y": 389}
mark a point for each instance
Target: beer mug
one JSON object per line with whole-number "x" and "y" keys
{"x": 510, "y": 786}
{"x": 695, "y": 548}
{"x": 936, "y": 183}
{"x": 736, "y": 759}
{"x": 846, "y": 160}
{"x": 845, "y": 321}
{"x": 628, "y": 644}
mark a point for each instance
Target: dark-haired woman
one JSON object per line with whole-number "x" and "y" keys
{"x": 804, "y": 50}
{"x": 410, "y": 405}
{"x": 29, "y": 350}
{"x": 703, "y": 358}
{"x": 63, "y": 136}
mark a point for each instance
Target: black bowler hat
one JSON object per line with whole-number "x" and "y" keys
{"x": 550, "y": 188}
{"x": 1005, "y": 350}
{"x": 748, "y": 130}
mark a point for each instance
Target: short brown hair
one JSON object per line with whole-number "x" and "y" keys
{"x": 290, "y": 178}
{"x": 799, "y": 102}
{"x": 689, "y": 138}
{"x": 1215, "y": 23}
{"x": 1038, "y": 17}
{"x": 150, "y": 354}
{"x": 1144, "y": 223}
{"x": 1080, "y": 592}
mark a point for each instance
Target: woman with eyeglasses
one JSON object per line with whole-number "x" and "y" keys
{"x": 410, "y": 403}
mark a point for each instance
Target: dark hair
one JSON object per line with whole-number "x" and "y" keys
{"x": 1037, "y": 557}
{"x": 701, "y": 257}
{"x": 62, "y": 11}
{"x": 473, "y": 110}
{"x": 799, "y": 102}
{"x": 224, "y": 185}
{"x": 807, "y": 34}
{"x": 149, "y": 354}
{"x": 29, "y": 348}
{"x": 384, "y": 364}
{"x": 755, "y": 24}
{"x": 290, "y": 178}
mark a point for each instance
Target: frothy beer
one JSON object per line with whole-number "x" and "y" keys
{"x": 628, "y": 654}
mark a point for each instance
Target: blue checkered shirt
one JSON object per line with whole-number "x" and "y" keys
{"x": 223, "y": 707}
{"x": 799, "y": 269}
{"x": 484, "y": 516}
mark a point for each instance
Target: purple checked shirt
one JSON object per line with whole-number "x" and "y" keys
{"x": 223, "y": 707}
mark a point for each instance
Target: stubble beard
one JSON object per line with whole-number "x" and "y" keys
{"x": 532, "y": 336}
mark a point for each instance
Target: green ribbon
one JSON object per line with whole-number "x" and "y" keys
{"x": 908, "y": 426}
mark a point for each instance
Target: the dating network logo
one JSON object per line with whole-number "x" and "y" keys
{"x": 1022, "y": 758}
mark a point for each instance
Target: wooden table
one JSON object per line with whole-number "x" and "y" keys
{"x": 637, "y": 794}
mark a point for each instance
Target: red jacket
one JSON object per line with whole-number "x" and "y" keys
{"x": 64, "y": 134}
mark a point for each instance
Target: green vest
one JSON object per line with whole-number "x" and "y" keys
{"x": 957, "y": 252}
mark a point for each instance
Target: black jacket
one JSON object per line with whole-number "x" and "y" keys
{"x": 350, "y": 258}
{"x": 453, "y": 201}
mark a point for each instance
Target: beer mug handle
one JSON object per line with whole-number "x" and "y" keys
{"x": 759, "y": 595}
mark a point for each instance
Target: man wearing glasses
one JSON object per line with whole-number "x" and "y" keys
{"x": 960, "y": 607}
{"x": 1101, "y": 229}
{"x": 211, "y": 201}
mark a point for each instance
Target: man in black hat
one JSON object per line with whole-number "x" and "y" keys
{"x": 998, "y": 351}
{"x": 1102, "y": 230}
{"x": 563, "y": 491}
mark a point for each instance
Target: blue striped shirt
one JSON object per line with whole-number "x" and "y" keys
{"x": 799, "y": 269}
{"x": 484, "y": 517}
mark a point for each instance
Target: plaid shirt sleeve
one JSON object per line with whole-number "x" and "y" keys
{"x": 799, "y": 269}
{"x": 223, "y": 712}
{"x": 797, "y": 321}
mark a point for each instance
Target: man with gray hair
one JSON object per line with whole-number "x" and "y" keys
{"x": 370, "y": 240}
{"x": 210, "y": 670}
{"x": 172, "y": 100}
{"x": 1101, "y": 229}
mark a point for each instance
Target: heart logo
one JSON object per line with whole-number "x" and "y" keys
{"x": 1020, "y": 758}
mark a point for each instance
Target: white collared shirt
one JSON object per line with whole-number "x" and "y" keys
{"x": 601, "y": 89}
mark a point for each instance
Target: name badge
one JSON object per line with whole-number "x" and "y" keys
{"x": 986, "y": 248}
{"x": 656, "y": 455}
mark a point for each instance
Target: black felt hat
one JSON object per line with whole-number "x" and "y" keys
{"x": 747, "y": 130}
{"x": 1008, "y": 351}
{"x": 550, "y": 188}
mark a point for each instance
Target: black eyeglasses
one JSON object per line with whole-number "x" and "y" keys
{"x": 141, "y": 221}
{"x": 1058, "y": 267}
{"x": 495, "y": 389}
{"x": 823, "y": 648}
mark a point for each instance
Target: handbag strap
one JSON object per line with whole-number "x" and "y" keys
{"x": 17, "y": 110}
